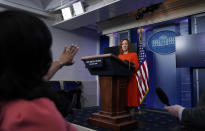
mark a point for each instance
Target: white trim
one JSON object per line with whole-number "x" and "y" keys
{"x": 111, "y": 40}
{"x": 195, "y": 25}
{"x": 197, "y": 84}
{"x": 15, "y": 5}
{"x": 97, "y": 78}
{"x": 81, "y": 128}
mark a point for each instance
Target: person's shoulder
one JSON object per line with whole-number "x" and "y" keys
{"x": 30, "y": 105}
{"x": 39, "y": 114}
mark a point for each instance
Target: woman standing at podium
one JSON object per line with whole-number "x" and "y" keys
{"x": 132, "y": 87}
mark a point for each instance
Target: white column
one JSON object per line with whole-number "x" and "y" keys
{"x": 98, "y": 83}
{"x": 111, "y": 40}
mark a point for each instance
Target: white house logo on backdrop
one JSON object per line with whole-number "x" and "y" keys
{"x": 162, "y": 42}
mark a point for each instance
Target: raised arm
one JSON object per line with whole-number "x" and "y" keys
{"x": 66, "y": 59}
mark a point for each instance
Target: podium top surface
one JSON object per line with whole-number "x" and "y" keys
{"x": 107, "y": 65}
{"x": 97, "y": 56}
{"x": 103, "y": 56}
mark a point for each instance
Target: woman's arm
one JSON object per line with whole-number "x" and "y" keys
{"x": 66, "y": 59}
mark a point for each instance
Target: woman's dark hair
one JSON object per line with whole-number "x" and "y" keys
{"x": 25, "y": 55}
{"x": 129, "y": 45}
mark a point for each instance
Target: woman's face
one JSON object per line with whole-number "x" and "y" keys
{"x": 124, "y": 46}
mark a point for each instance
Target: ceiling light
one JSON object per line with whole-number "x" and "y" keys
{"x": 67, "y": 13}
{"x": 78, "y": 8}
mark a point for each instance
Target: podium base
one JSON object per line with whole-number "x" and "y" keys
{"x": 116, "y": 123}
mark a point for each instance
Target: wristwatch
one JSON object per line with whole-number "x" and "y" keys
{"x": 60, "y": 63}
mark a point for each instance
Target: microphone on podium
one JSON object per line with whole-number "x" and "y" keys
{"x": 162, "y": 96}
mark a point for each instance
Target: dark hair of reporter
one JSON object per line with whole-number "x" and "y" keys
{"x": 129, "y": 45}
{"x": 25, "y": 43}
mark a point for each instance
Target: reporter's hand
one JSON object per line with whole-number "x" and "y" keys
{"x": 68, "y": 54}
{"x": 173, "y": 110}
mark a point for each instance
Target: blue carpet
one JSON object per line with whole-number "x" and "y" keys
{"x": 149, "y": 120}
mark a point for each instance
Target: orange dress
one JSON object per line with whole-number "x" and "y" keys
{"x": 132, "y": 88}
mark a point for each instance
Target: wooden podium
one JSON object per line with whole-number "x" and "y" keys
{"x": 113, "y": 76}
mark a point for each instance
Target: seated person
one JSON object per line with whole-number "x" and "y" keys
{"x": 27, "y": 103}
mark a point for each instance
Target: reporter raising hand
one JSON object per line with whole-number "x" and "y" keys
{"x": 66, "y": 59}
{"x": 67, "y": 55}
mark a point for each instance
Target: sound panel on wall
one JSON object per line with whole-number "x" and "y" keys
{"x": 190, "y": 50}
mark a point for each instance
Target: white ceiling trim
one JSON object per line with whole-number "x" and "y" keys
{"x": 18, "y": 6}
